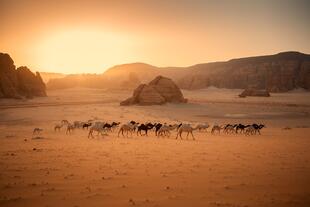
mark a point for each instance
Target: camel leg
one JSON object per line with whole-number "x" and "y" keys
{"x": 187, "y": 135}
{"x": 181, "y": 134}
{"x": 192, "y": 135}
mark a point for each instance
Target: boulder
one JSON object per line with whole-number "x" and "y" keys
{"x": 20, "y": 82}
{"x": 159, "y": 91}
{"x": 254, "y": 92}
{"x": 168, "y": 89}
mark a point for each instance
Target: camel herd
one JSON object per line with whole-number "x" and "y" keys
{"x": 159, "y": 129}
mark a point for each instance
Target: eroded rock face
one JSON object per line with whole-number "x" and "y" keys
{"x": 18, "y": 83}
{"x": 30, "y": 85}
{"x": 276, "y": 73}
{"x": 159, "y": 91}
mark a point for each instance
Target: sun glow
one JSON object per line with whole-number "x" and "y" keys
{"x": 78, "y": 51}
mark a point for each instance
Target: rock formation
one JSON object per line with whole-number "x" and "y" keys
{"x": 159, "y": 91}
{"x": 254, "y": 92}
{"x": 276, "y": 73}
{"x": 20, "y": 82}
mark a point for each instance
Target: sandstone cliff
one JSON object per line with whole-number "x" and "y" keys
{"x": 275, "y": 73}
{"x": 20, "y": 82}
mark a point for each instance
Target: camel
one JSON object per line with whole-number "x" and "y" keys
{"x": 86, "y": 125}
{"x": 37, "y": 131}
{"x": 230, "y": 128}
{"x": 127, "y": 128}
{"x": 58, "y": 127}
{"x": 64, "y": 122}
{"x": 216, "y": 127}
{"x": 253, "y": 129}
{"x": 202, "y": 127}
{"x": 115, "y": 125}
{"x": 157, "y": 127}
{"x": 185, "y": 128}
{"x": 165, "y": 130}
{"x": 109, "y": 127}
{"x": 98, "y": 128}
{"x": 70, "y": 128}
{"x": 78, "y": 124}
{"x": 249, "y": 130}
{"x": 258, "y": 128}
{"x": 144, "y": 127}
{"x": 241, "y": 127}
{"x": 99, "y": 124}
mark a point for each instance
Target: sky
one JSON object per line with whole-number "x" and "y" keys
{"x": 91, "y": 36}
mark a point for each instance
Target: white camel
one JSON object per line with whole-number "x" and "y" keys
{"x": 99, "y": 124}
{"x": 78, "y": 124}
{"x": 129, "y": 127}
{"x": 203, "y": 127}
{"x": 165, "y": 130}
{"x": 98, "y": 128}
{"x": 186, "y": 128}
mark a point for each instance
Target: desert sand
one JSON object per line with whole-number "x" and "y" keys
{"x": 56, "y": 169}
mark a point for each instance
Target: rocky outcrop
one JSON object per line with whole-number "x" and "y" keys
{"x": 275, "y": 73}
{"x": 30, "y": 85}
{"x": 20, "y": 82}
{"x": 254, "y": 92}
{"x": 159, "y": 91}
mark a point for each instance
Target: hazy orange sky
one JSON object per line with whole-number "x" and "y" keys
{"x": 90, "y": 36}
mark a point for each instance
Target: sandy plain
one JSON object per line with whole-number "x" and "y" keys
{"x": 223, "y": 170}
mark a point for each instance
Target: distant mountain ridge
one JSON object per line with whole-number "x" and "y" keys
{"x": 276, "y": 73}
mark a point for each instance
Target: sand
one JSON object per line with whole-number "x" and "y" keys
{"x": 56, "y": 169}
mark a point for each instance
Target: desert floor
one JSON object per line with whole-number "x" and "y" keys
{"x": 272, "y": 169}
